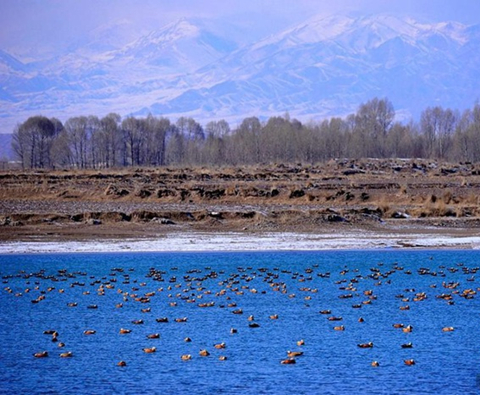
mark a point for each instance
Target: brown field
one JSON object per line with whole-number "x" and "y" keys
{"x": 370, "y": 194}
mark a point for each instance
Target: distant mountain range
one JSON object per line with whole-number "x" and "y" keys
{"x": 323, "y": 67}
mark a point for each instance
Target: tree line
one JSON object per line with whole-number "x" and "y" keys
{"x": 91, "y": 142}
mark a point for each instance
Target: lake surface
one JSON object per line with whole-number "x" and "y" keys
{"x": 72, "y": 293}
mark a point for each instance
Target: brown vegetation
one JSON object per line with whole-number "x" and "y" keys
{"x": 274, "y": 198}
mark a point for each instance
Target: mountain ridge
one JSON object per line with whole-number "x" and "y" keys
{"x": 325, "y": 66}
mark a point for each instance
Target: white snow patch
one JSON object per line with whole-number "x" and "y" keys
{"x": 246, "y": 242}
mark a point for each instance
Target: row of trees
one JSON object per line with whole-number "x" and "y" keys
{"x": 92, "y": 142}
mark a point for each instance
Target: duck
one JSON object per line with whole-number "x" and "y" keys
{"x": 293, "y": 354}
{"x": 220, "y": 345}
{"x": 187, "y": 340}
{"x": 153, "y": 336}
{"x": 448, "y": 329}
{"x": 61, "y": 345}
{"x": 162, "y": 319}
{"x": 125, "y": 331}
{"x": 137, "y": 322}
{"x": 251, "y": 318}
{"x": 398, "y": 326}
{"x": 186, "y": 357}
{"x": 184, "y": 319}
{"x": 274, "y": 317}
{"x": 204, "y": 353}
{"x": 409, "y": 362}
{"x": 301, "y": 342}
{"x": 121, "y": 363}
{"x": 408, "y": 329}
{"x": 89, "y": 332}
{"x": 233, "y": 330}
{"x": 339, "y": 328}
{"x": 407, "y": 345}
{"x": 253, "y": 325}
{"x": 150, "y": 350}
{"x": 67, "y": 354}
{"x": 288, "y": 361}
{"x": 365, "y": 345}
{"x": 375, "y": 364}
{"x": 42, "y": 354}
{"x": 222, "y": 358}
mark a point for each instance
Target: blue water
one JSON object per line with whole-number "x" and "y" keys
{"x": 445, "y": 362}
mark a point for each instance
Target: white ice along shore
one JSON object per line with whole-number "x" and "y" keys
{"x": 247, "y": 242}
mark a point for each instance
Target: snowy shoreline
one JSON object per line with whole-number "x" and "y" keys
{"x": 208, "y": 242}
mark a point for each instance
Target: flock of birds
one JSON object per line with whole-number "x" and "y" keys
{"x": 207, "y": 288}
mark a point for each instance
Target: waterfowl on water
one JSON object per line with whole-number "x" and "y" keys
{"x": 253, "y": 325}
{"x": 274, "y": 317}
{"x": 293, "y": 354}
{"x": 42, "y": 354}
{"x": 301, "y": 342}
{"x": 137, "y": 322}
{"x": 67, "y": 354}
{"x": 407, "y": 345}
{"x": 251, "y": 318}
{"x": 409, "y": 362}
{"x": 365, "y": 345}
{"x": 187, "y": 340}
{"x": 220, "y": 345}
{"x": 361, "y": 319}
{"x": 375, "y": 364}
{"x": 335, "y": 318}
{"x": 398, "y": 326}
{"x": 186, "y": 357}
{"x": 89, "y": 332}
{"x": 222, "y": 358}
{"x": 448, "y": 329}
{"x": 162, "y": 319}
{"x": 233, "y": 330}
{"x": 184, "y": 319}
{"x": 153, "y": 336}
{"x": 61, "y": 345}
{"x": 408, "y": 329}
{"x": 121, "y": 363}
{"x": 204, "y": 353}
{"x": 288, "y": 361}
{"x": 150, "y": 350}
{"x": 339, "y": 328}
{"x": 125, "y": 331}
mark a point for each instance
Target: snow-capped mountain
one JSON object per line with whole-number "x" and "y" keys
{"x": 323, "y": 67}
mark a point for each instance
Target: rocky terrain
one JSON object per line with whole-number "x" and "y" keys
{"x": 370, "y": 194}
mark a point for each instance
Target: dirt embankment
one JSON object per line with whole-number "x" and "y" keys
{"x": 271, "y": 197}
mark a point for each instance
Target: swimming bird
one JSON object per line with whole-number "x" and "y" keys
{"x": 186, "y": 357}
{"x": 365, "y": 345}
{"x": 121, "y": 363}
{"x": 301, "y": 342}
{"x": 448, "y": 329}
{"x": 222, "y": 358}
{"x": 187, "y": 340}
{"x": 89, "y": 332}
{"x": 375, "y": 364}
{"x": 408, "y": 329}
{"x": 153, "y": 336}
{"x": 67, "y": 354}
{"x": 293, "y": 354}
{"x": 125, "y": 331}
{"x": 150, "y": 350}
{"x": 409, "y": 362}
{"x": 220, "y": 345}
{"x": 233, "y": 330}
{"x": 204, "y": 353}
{"x": 407, "y": 345}
{"x": 42, "y": 354}
{"x": 288, "y": 361}
{"x": 339, "y": 328}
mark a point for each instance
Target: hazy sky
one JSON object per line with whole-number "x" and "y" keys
{"x": 52, "y": 25}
